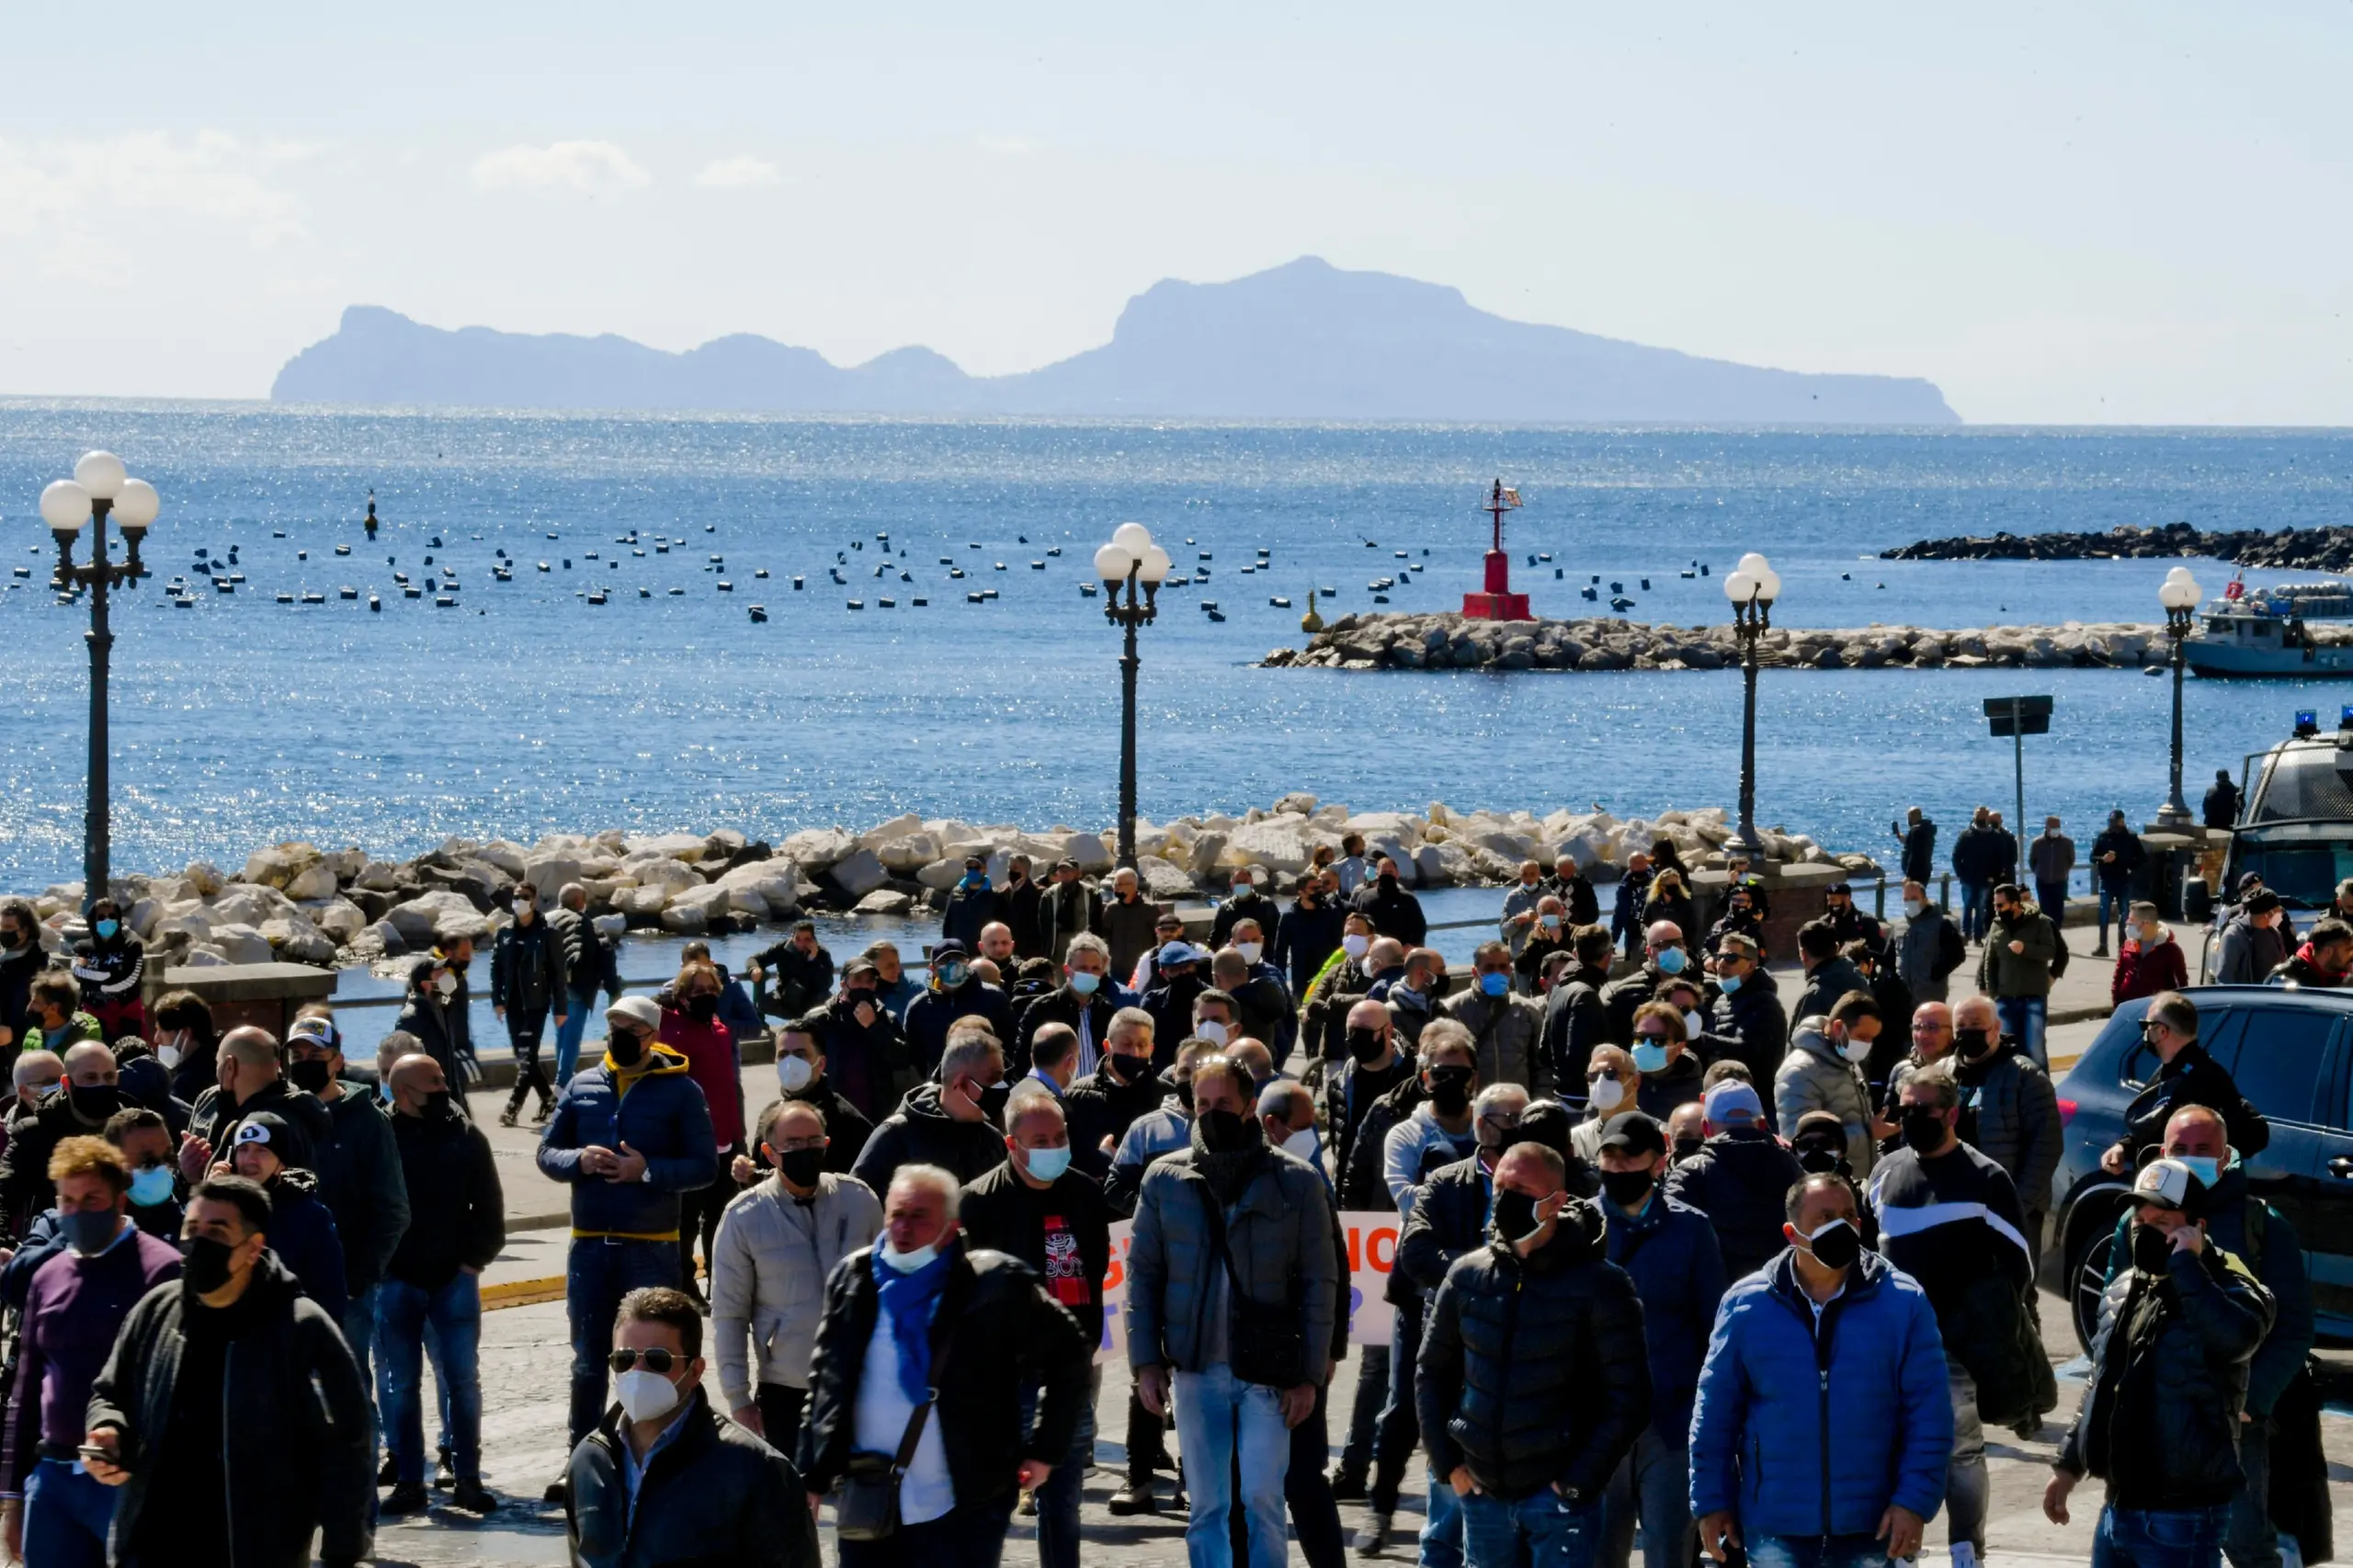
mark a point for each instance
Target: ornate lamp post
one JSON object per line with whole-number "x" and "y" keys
{"x": 2179, "y": 595}
{"x": 1131, "y": 561}
{"x": 1752, "y": 587}
{"x": 98, "y": 488}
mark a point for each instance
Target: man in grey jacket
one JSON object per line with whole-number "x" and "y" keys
{"x": 1930, "y": 948}
{"x": 1823, "y": 1072}
{"x": 2010, "y": 1108}
{"x": 777, "y": 1242}
{"x": 1233, "y": 1291}
{"x": 1504, "y": 1025}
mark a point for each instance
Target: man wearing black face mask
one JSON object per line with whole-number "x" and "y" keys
{"x": 1104, "y": 1104}
{"x": 231, "y": 1412}
{"x": 77, "y": 1108}
{"x": 2009, "y": 1111}
{"x": 1374, "y": 1067}
{"x": 1949, "y": 1218}
{"x": 435, "y": 1278}
{"x": 1234, "y": 1289}
{"x": 1392, "y": 911}
{"x": 1534, "y": 1384}
{"x": 358, "y": 1167}
{"x": 777, "y": 1244}
{"x": 1669, "y": 1251}
{"x": 2161, "y": 1413}
{"x": 1827, "y": 1373}
{"x": 951, "y": 1124}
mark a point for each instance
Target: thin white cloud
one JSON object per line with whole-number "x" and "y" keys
{"x": 743, "y": 172}
{"x": 71, "y": 190}
{"x": 560, "y": 168}
{"x": 1006, "y": 146}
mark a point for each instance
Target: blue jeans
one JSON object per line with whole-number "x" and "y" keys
{"x": 1540, "y": 1531}
{"x": 66, "y": 1517}
{"x": 1816, "y": 1551}
{"x": 1057, "y": 1499}
{"x": 2022, "y": 1017}
{"x": 597, "y": 1276}
{"x": 1400, "y": 1425}
{"x": 2151, "y": 1538}
{"x": 567, "y": 1038}
{"x": 359, "y": 1332}
{"x": 1216, "y": 1415}
{"x": 455, "y": 1313}
{"x": 1441, "y": 1544}
{"x": 1976, "y": 908}
{"x": 1649, "y": 1490}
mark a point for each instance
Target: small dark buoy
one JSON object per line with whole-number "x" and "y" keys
{"x": 375, "y": 605}
{"x": 1556, "y": 572}
{"x": 1217, "y": 615}
{"x": 1646, "y": 584}
{"x": 1843, "y": 577}
{"x": 1023, "y": 538}
{"x": 759, "y": 615}
{"x": 1703, "y": 569}
{"x": 798, "y": 584}
{"x": 888, "y": 604}
{"x": 920, "y": 602}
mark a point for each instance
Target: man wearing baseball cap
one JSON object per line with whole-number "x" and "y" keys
{"x": 1670, "y": 1251}
{"x": 2160, "y": 1418}
{"x": 1738, "y": 1178}
{"x": 630, "y": 1134}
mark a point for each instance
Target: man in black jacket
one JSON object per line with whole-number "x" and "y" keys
{"x": 231, "y": 1414}
{"x": 866, "y": 1051}
{"x": 975, "y": 1327}
{"x": 1244, "y": 900}
{"x": 250, "y": 1080}
{"x": 20, "y": 960}
{"x": 802, "y": 969}
{"x": 1083, "y": 1001}
{"x": 1038, "y": 1207}
{"x": 950, "y": 1123}
{"x": 78, "y": 1106}
{"x": 2118, "y": 856}
{"x": 1103, "y": 1104}
{"x": 1919, "y": 838}
{"x": 801, "y": 1075}
{"x": 662, "y": 1479}
{"x": 1977, "y": 865}
{"x": 1664, "y": 955}
{"x": 2187, "y": 1076}
{"x": 1392, "y": 911}
{"x": 1534, "y": 1379}
{"x": 526, "y": 978}
{"x": 1738, "y": 1178}
{"x": 1017, "y": 904}
{"x": 1575, "y": 1020}
{"x": 358, "y": 1167}
{"x": 1747, "y": 1023}
{"x": 2160, "y": 1418}
{"x": 434, "y": 1281}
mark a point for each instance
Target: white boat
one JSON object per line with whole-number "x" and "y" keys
{"x": 2267, "y": 635}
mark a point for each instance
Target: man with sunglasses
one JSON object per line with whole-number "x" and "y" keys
{"x": 1664, "y": 956}
{"x": 662, "y": 1478}
{"x": 1504, "y": 1025}
{"x": 2186, "y": 1075}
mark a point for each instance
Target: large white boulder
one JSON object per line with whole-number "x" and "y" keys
{"x": 909, "y": 854}
{"x": 204, "y": 877}
{"x": 1279, "y": 844}
{"x": 506, "y": 856}
{"x": 547, "y": 870}
{"x": 314, "y": 880}
{"x": 859, "y": 873}
{"x": 672, "y": 877}
{"x": 430, "y": 916}
{"x": 1162, "y": 880}
{"x": 688, "y": 847}
{"x": 338, "y": 918}
{"x": 815, "y": 848}
{"x": 884, "y": 900}
{"x": 1091, "y": 851}
{"x": 239, "y": 943}
{"x": 882, "y": 833}
{"x": 280, "y": 863}
{"x": 299, "y": 941}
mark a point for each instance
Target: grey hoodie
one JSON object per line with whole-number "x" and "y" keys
{"x": 1815, "y": 1076}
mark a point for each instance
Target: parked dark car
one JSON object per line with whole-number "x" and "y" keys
{"x": 2291, "y": 1054}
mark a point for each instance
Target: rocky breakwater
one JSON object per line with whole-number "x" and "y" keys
{"x": 1449, "y": 641}
{"x": 297, "y": 903}
{"x": 2289, "y": 550}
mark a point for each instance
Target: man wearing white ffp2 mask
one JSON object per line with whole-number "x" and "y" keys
{"x": 1289, "y": 1112}
{"x": 642, "y": 1479}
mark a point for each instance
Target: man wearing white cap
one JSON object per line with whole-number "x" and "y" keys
{"x": 630, "y": 1134}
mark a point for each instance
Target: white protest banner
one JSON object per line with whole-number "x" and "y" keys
{"x": 1370, "y": 1252}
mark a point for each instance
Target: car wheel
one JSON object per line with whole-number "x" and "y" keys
{"x": 2087, "y": 1282}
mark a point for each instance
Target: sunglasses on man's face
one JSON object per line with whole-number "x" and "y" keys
{"x": 658, "y": 1360}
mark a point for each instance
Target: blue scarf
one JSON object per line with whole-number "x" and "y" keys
{"x": 909, "y": 1300}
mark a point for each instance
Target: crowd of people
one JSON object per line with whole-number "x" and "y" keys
{"x": 1680, "y": 1263}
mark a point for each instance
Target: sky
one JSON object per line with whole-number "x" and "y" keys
{"x": 2088, "y": 213}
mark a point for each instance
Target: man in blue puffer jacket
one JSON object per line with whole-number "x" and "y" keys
{"x": 630, "y": 1134}
{"x": 1824, "y": 1326}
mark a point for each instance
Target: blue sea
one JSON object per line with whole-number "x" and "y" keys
{"x": 523, "y": 708}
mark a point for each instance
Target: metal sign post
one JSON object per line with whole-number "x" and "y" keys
{"x": 2018, "y": 717}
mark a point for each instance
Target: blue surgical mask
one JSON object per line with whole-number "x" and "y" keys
{"x": 151, "y": 1185}
{"x": 1085, "y": 984}
{"x": 1671, "y": 960}
{"x": 1048, "y": 1164}
{"x": 952, "y": 975}
{"x": 1728, "y": 983}
{"x": 1649, "y": 1056}
{"x": 2204, "y": 1167}
{"x": 1495, "y": 983}
{"x": 107, "y": 928}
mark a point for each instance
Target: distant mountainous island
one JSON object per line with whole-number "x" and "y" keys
{"x": 1301, "y": 341}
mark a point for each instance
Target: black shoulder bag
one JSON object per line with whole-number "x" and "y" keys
{"x": 867, "y": 1506}
{"x": 1265, "y": 1344}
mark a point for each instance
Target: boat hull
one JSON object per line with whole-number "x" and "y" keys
{"x": 2222, "y": 659}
